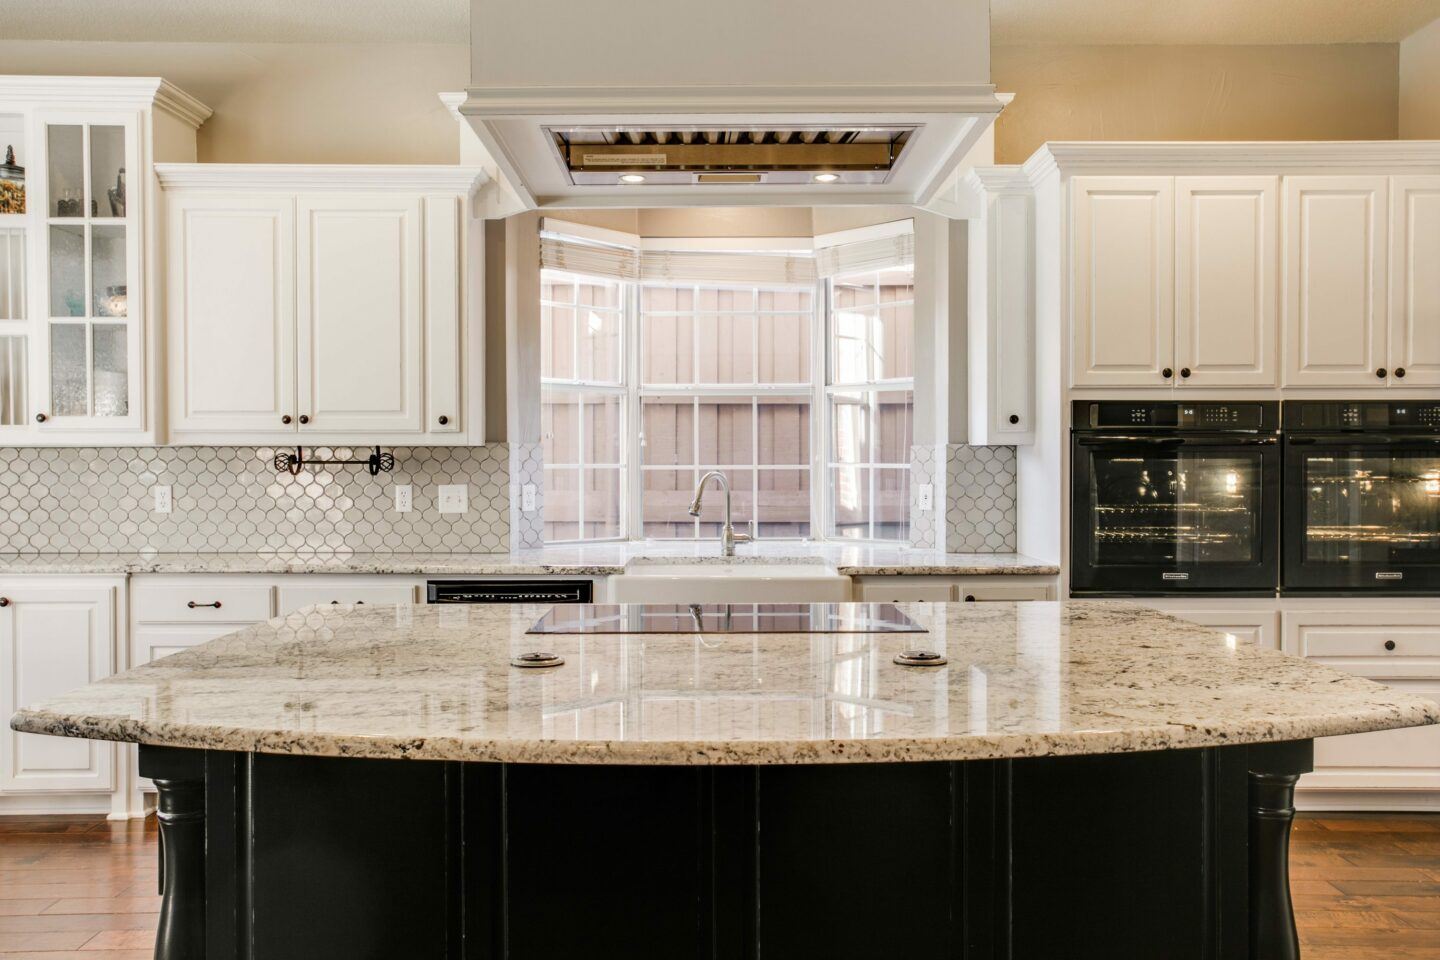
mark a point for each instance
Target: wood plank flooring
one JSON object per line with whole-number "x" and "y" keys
{"x": 1366, "y": 887}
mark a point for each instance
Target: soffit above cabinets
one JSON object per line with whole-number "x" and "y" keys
{"x": 683, "y": 103}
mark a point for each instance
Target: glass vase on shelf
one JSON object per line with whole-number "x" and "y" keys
{"x": 12, "y": 183}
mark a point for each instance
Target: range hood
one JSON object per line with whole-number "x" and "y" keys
{"x": 683, "y": 103}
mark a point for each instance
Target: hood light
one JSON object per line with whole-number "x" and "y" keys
{"x": 632, "y": 178}
{"x": 826, "y": 177}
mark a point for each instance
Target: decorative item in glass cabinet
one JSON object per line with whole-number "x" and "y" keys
{"x": 12, "y": 183}
{"x": 114, "y": 303}
{"x": 117, "y": 195}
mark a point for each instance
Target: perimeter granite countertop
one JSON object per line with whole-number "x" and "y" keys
{"x": 600, "y": 559}
{"x": 435, "y": 682}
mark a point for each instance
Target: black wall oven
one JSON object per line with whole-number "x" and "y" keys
{"x": 1172, "y": 499}
{"x": 1362, "y": 497}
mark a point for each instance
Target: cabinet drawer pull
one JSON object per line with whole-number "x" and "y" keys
{"x": 1014, "y": 418}
{"x": 357, "y": 602}
{"x": 1400, "y": 372}
{"x": 4, "y": 601}
{"x": 1389, "y": 644}
{"x": 193, "y": 605}
{"x": 1380, "y": 372}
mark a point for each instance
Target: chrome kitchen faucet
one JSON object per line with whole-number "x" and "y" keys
{"x": 728, "y": 536}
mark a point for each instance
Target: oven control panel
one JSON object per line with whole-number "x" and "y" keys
{"x": 1362, "y": 414}
{"x": 1143, "y": 415}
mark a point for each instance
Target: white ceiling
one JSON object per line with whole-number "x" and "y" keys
{"x": 447, "y": 21}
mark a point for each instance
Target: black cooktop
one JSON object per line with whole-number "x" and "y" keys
{"x": 591, "y": 618}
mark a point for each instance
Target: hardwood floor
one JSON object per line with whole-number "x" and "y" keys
{"x": 1366, "y": 887}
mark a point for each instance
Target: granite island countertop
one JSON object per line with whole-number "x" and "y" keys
{"x": 435, "y": 682}
{"x": 592, "y": 559}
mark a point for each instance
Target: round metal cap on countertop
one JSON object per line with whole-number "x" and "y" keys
{"x": 537, "y": 660}
{"x": 920, "y": 658}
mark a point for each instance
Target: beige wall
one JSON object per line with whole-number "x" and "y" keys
{"x": 1420, "y": 84}
{"x": 1296, "y": 92}
{"x": 288, "y": 102}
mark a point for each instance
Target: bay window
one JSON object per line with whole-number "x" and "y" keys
{"x": 657, "y": 367}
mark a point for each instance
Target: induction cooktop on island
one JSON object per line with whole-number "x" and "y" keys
{"x": 590, "y": 618}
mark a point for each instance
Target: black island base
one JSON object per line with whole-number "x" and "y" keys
{"x": 1170, "y": 855}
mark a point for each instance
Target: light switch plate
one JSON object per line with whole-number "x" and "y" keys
{"x": 454, "y": 498}
{"x": 527, "y": 498}
{"x": 404, "y": 498}
{"x": 925, "y": 497}
{"x": 163, "y": 499}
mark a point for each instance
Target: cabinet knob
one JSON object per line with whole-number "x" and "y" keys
{"x": 304, "y": 418}
{"x": 41, "y": 418}
{"x": 1014, "y": 418}
{"x": 1380, "y": 373}
{"x": 1167, "y": 373}
{"x": 1185, "y": 372}
{"x": 4, "y": 601}
{"x": 1389, "y": 644}
{"x": 285, "y": 419}
{"x": 443, "y": 419}
{"x": 969, "y": 598}
{"x": 1400, "y": 372}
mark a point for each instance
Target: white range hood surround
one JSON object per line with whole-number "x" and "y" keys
{"x": 736, "y": 105}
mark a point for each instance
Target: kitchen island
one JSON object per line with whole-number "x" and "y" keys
{"x": 1081, "y": 779}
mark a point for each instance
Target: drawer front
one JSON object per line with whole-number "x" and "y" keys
{"x": 997, "y": 589}
{"x": 1381, "y": 650}
{"x": 1414, "y": 748}
{"x": 289, "y": 599}
{"x": 898, "y": 591}
{"x": 152, "y": 642}
{"x": 197, "y": 603}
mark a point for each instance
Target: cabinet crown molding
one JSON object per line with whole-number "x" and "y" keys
{"x": 1277, "y": 157}
{"x": 314, "y": 178}
{"x": 1009, "y": 178}
{"x": 741, "y": 99}
{"x": 137, "y": 92}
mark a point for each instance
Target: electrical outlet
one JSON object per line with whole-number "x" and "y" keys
{"x": 454, "y": 498}
{"x": 163, "y": 499}
{"x": 404, "y": 498}
{"x": 925, "y": 497}
{"x": 527, "y": 498}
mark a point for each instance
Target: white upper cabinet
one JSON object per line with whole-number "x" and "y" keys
{"x": 232, "y": 295}
{"x": 79, "y": 308}
{"x": 305, "y": 312}
{"x": 1123, "y": 282}
{"x": 1414, "y": 343}
{"x": 1226, "y": 262}
{"x": 1001, "y": 308}
{"x": 360, "y": 291}
{"x": 1335, "y": 281}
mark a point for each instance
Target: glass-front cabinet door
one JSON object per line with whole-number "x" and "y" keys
{"x": 14, "y": 313}
{"x": 89, "y": 345}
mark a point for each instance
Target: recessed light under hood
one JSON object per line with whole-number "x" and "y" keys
{"x": 599, "y": 155}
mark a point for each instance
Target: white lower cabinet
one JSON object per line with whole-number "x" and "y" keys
{"x": 344, "y": 590}
{"x": 942, "y": 589}
{"x": 1400, "y": 648}
{"x": 56, "y": 634}
{"x": 1257, "y": 624}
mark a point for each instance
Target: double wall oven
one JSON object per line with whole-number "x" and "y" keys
{"x": 1362, "y": 497}
{"x": 1174, "y": 498}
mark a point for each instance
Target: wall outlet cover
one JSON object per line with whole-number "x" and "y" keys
{"x": 454, "y": 498}
{"x": 404, "y": 498}
{"x": 527, "y": 498}
{"x": 163, "y": 499}
{"x": 925, "y": 497}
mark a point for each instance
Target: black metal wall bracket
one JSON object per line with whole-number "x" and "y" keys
{"x": 293, "y": 463}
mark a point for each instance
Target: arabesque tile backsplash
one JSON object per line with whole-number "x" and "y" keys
{"x": 233, "y": 500}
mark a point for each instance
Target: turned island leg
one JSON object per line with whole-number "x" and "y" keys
{"x": 179, "y": 782}
{"x": 1274, "y": 770}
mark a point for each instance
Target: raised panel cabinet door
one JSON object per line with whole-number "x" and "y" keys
{"x": 1006, "y": 409}
{"x": 1414, "y": 348}
{"x": 231, "y": 313}
{"x": 360, "y": 325}
{"x": 52, "y": 640}
{"x": 1335, "y": 281}
{"x": 1227, "y": 254}
{"x": 1123, "y": 281}
{"x": 444, "y": 306}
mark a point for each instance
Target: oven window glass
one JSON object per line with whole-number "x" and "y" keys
{"x": 1175, "y": 508}
{"x": 1365, "y": 506}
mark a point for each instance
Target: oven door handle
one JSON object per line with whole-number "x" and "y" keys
{"x": 1363, "y": 439}
{"x": 1178, "y": 441}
